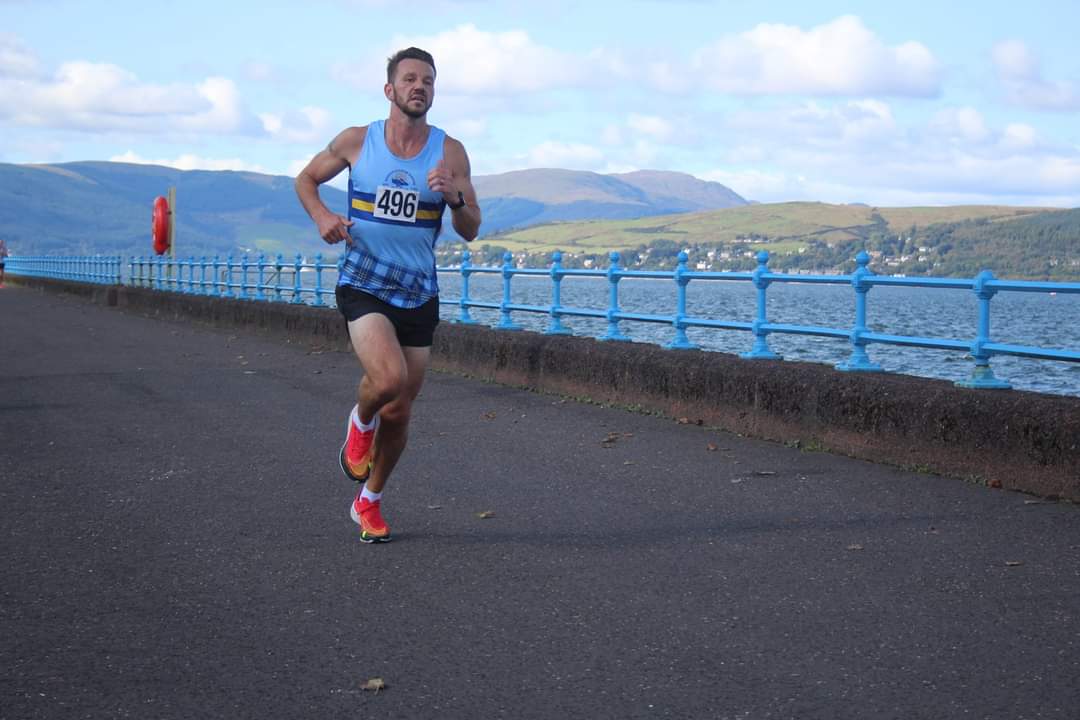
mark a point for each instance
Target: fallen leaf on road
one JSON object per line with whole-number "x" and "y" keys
{"x": 1013, "y": 563}
{"x": 764, "y": 472}
{"x": 994, "y": 483}
{"x": 485, "y": 514}
{"x": 628, "y": 462}
{"x": 375, "y": 684}
{"x": 434, "y": 507}
{"x": 855, "y": 547}
{"x": 684, "y": 421}
{"x": 489, "y": 415}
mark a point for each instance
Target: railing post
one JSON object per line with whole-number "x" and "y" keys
{"x": 318, "y": 281}
{"x": 681, "y": 342}
{"x": 761, "y": 350}
{"x": 982, "y": 376}
{"x": 505, "y": 323}
{"x": 614, "y": 274}
{"x": 259, "y": 294}
{"x": 859, "y": 360}
{"x": 466, "y": 270}
{"x": 555, "y": 327}
{"x": 226, "y": 277}
{"x": 279, "y": 262}
{"x": 244, "y": 294}
{"x": 297, "y": 265}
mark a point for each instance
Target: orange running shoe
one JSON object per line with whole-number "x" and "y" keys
{"x": 358, "y": 452}
{"x": 366, "y": 514}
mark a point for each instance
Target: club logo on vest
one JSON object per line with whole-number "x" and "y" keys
{"x": 400, "y": 179}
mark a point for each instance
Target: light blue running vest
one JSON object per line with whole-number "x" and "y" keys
{"x": 396, "y": 221}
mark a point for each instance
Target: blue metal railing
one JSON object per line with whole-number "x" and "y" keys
{"x": 302, "y": 281}
{"x": 981, "y": 347}
{"x": 273, "y": 280}
{"x": 99, "y": 269}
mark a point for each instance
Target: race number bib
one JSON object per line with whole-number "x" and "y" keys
{"x": 393, "y": 203}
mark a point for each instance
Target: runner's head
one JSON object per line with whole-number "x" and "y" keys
{"x": 410, "y": 81}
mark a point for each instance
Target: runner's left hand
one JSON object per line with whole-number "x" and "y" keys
{"x": 441, "y": 179}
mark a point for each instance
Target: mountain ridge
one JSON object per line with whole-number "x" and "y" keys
{"x": 99, "y": 206}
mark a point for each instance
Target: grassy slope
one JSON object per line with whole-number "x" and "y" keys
{"x": 779, "y": 221}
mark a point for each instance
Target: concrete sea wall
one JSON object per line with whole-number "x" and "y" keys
{"x": 1003, "y": 438}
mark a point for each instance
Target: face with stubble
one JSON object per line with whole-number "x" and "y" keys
{"x": 413, "y": 88}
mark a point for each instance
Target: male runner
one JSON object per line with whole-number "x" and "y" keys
{"x": 3, "y": 258}
{"x": 403, "y": 173}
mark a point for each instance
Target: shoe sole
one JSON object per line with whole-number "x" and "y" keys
{"x": 341, "y": 458}
{"x": 345, "y": 468}
{"x": 364, "y": 537}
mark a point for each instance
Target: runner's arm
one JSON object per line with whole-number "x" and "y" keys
{"x": 466, "y": 220}
{"x": 337, "y": 156}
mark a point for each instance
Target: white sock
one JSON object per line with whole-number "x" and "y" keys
{"x": 366, "y": 494}
{"x": 363, "y": 427}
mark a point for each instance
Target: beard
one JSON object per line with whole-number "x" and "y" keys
{"x": 403, "y": 105}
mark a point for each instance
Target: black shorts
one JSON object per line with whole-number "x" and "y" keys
{"x": 415, "y": 327}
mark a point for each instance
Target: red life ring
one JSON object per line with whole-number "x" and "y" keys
{"x": 160, "y": 226}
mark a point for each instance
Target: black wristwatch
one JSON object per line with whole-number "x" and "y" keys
{"x": 460, "y": 201}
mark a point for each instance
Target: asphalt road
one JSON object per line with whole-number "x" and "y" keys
{"x": 176, "y": 544}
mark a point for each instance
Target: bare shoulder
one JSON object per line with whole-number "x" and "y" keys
{"x": 455, "y": 155}
{"x": 347, "y": 144}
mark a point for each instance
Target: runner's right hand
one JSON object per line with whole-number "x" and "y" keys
{"x": 334, "y": 228}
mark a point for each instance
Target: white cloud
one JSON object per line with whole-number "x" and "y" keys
{"x": 806, "y": 152}
{"x": 193, "y": 162}
{"x": 1018, "y": 136}
{"x": 259, "y": 71}
{"x": 104, "y": 97}
{"x": 570, "y": 156}
{"x": 307, "y": 125}
{"x": 16, "y": 60}
{"x": 611, "y": 135}
{"x": 473, "y": 61}
{"x": 467, "y": 128}
{"x": 961, "y": 124}
{"x": 1020, "y": 75}
{"x": 650, "y": 125}
{"x": 759, "y": 184}
{"x": 855, "y": 124}
{"x": 842, "y": 57}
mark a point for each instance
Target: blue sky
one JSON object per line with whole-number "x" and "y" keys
{"x": 884, "y": 103}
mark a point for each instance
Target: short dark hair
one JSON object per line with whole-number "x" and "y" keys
{"x": 411, "y": 53}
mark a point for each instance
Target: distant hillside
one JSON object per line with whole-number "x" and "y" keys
{"x": 776, "y": 222}
{"x": 803, "y": 236}
{"x": 104, "y": 207}
{"x": 530, "y": 197}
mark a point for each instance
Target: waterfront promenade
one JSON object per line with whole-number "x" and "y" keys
{"x": 176, "y": 544}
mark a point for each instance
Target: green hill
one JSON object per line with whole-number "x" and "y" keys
{"x": 819, "y": 237}
{"x": 100, "y": 207}
{"x": 104, "y": 207}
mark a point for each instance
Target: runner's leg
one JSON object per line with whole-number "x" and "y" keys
{"x": 394, "y": 418}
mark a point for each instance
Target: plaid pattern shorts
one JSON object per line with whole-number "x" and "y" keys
{"x": 394, "y": 284}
